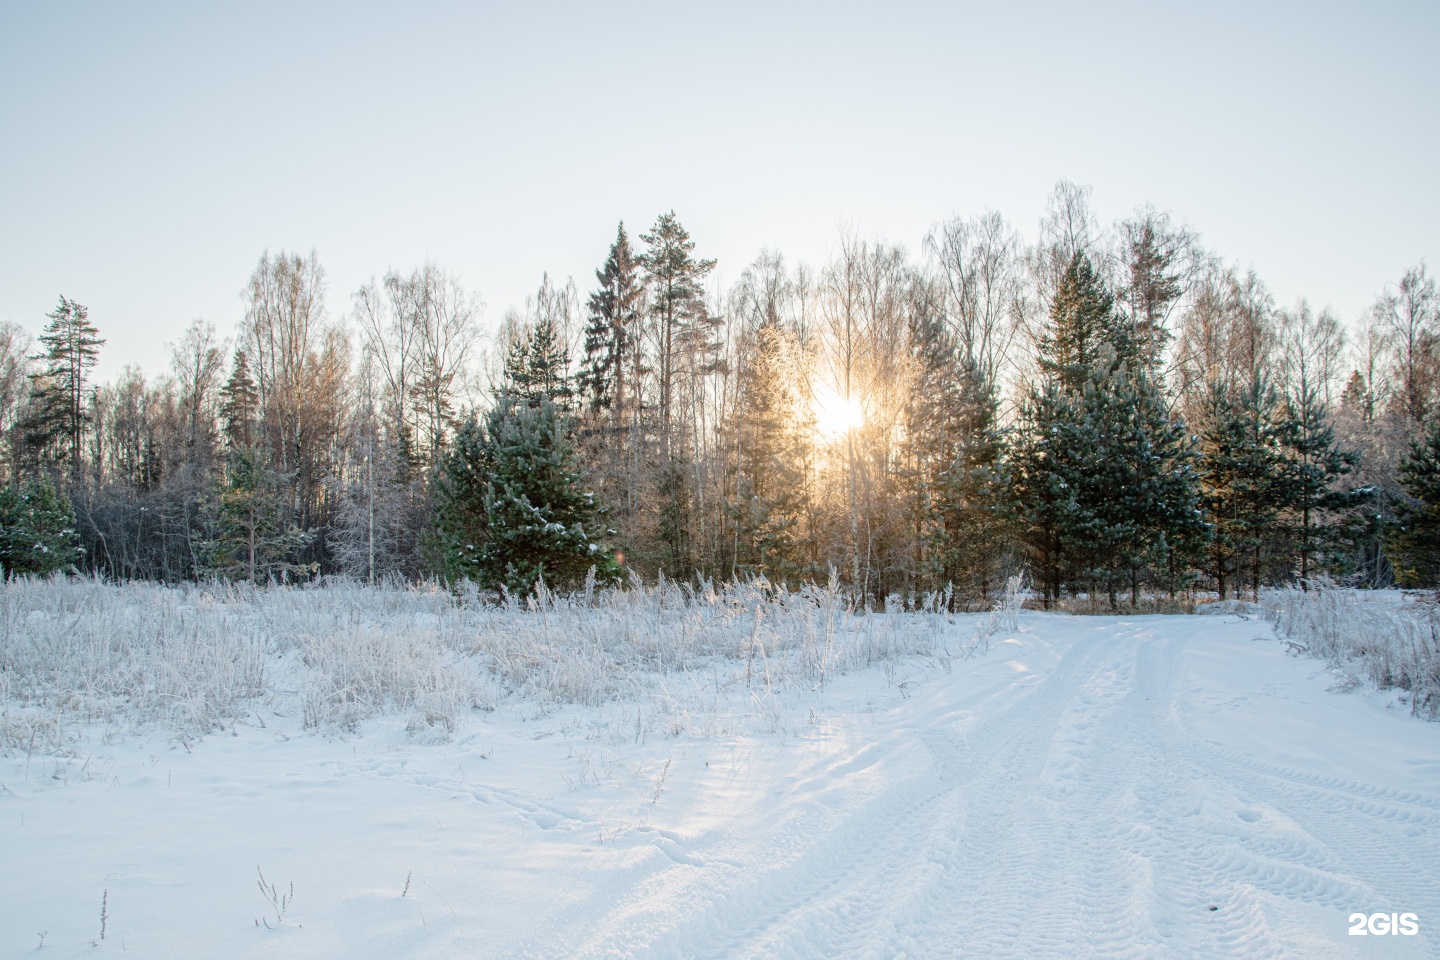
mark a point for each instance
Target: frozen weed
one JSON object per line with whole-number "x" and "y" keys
{"x": 194, "y": 658}
{"x": 1384, "y": 640}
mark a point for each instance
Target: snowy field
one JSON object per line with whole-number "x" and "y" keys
{"x": 662, "y": 775}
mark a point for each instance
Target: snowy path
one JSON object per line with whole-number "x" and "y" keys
{"x": 1106, "y": 787}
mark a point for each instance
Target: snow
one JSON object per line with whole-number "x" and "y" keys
{"x": 1091, "y": 786}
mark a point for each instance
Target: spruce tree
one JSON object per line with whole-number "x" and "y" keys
{"x": 612, "y": 337}
{"x": 510, "y": 507}
{"x": 239, "y": 404}
{"x": 37, "y": 530}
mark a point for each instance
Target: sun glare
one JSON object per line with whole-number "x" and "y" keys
{"x": 835, "y": 416}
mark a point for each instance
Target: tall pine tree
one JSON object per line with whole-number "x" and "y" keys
{"x": 687, "y": 348}
{"x": 55, "y": 425}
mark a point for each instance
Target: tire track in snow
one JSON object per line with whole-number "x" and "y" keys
{"x": 850, "y": 894}
{"x": 1080, "y": 819}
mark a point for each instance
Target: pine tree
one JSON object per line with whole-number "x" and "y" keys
{"x": 538, "y": 367}
{"x": 1104, "y": 486}
{"x": 686, "y": 349}
{"x": 972, "y": 503}
{"x": 37, "y": 530}
{"x": 1044, "y": 478}
{"x": 58, "y": 415}
{"x": 510, "y": 507}
{"x": 1153, "y": 260}
{"x": 1414, "y": 541}
{"x": 1316, "y": 463}
{"x": 955, "y": 475}
{"x": 1242, "y": 476}
{"x": 1085, "y": 331}
{"x": 248, "y": 536}
{"x": 684, "y": 329}
{"x": 1149, "y": 486}
{"x": 771, "y": 423}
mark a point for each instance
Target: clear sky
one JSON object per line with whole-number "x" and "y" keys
{"x": 149, "y": 153}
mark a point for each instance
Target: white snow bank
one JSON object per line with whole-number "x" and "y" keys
{"x": 1381, "y": 638}
{"x": 1159, "y": 787}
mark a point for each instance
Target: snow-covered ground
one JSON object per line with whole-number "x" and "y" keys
{"x": 1091, "y": 786}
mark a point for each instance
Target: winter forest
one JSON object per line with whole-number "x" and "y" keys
{"x": 1115, "y": 412}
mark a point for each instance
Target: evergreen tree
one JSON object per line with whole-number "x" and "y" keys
{"x": 1414, "y": 541}
{"x": 239, "y": 404}
{"x": 1105, "y": 486}
{"x": 538, "y": 367}
{"x": 509, "y": 504}
{"x": 1044, "y": 479}
{"x": 953, "y": 449}
{"x": 57, "y": 418}
{"x": 1153, "y": 254}
{"x": 1147, "y": 484}
{"x": 683, "y": 328}
{"x": 1242, "y": 476}
{"x": 612, "y": 337}
{"x": 1085, "y": 331}
{"x": 1316, "y": 464}
{"x": 771, "y": 427}
{"x": 37, "y": 530}
{"x": 686, "y": 349}
{"x": 972, "y": 539}
{"x": 248, "y": 536}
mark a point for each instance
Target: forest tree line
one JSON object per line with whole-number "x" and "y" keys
{"x": 1113, "y": 411}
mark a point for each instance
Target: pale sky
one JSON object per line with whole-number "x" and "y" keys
{"x": 150, "y": 153}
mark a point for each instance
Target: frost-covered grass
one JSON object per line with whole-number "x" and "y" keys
{"x": 81, "y": 656}
{"x": 1384, "y": 639}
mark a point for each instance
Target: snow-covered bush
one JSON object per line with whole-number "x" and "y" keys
{"x": 193, "y": 658}
{"x": 1384, "y": 639}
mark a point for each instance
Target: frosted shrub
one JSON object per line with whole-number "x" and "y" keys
{"x": 1384, "y": 640}
{"x": 192, "y": 658}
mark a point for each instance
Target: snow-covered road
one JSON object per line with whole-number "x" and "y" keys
{"x": 1106, "y": 787}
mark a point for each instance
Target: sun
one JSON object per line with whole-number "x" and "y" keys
{"x": 835, "y": 415}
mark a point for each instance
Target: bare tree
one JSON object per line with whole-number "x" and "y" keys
{"x": 1312, "y": 351}
{"x": 197, "y": 364}
{"x": 980, "y": 264}
{"x": 1408, "y": 314}
{"x": 15, "y": 370}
